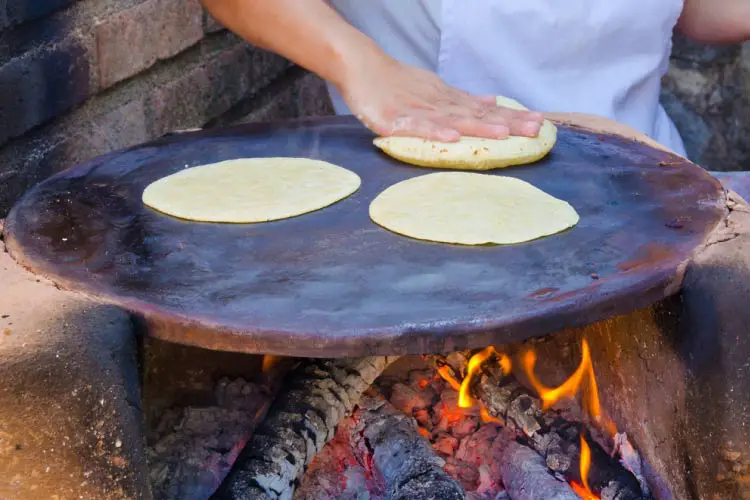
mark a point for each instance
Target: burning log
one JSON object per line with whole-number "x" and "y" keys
{"x": 301, "y": 420}
{"x": 524, "y": 472}
{"x": 391, "y": 441}
{"x": 556, "y": 439}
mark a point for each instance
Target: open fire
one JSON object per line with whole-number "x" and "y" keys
{"x": 583, "y": 379}
{"x": 465, "y": 426}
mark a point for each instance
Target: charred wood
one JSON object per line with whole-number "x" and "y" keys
{"x": 524, "y": 472}
{"x": 301, "y": 420}
{"x": 556, "y": 439}
{"x": 406, "y": 462}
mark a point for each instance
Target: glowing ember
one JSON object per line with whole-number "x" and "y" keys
{"x": 584, "y": 491}
{"x": 425, "y": 433}
{"x": 569, "y": 388}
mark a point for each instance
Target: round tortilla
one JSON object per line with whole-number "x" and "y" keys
{"x": 473, "y": 153}
{"x": 471, "y": 209}
{"x": 251, "y": 190}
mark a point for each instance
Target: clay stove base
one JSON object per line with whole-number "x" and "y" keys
{"x": 675, "y": 376}
{"x": 70, "y": 423}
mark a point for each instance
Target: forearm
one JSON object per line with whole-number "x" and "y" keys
{"x": 716, "y": 21}
{"x": 309, "y": 33}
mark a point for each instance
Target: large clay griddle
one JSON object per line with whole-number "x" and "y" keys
{"x": 332, "y": 283}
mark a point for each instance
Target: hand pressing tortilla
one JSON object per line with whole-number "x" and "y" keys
{"x": 473, "y": 153}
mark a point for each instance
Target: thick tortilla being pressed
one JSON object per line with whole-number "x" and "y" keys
{"x": 473, "y": 153}
{"x": 471, "y": 209}
{"x": 251, "y": 190}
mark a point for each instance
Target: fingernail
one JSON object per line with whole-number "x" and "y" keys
{"x": 500, "y": 131}
{"x": 535, "y": 115}
{"x": 531, "y": 128}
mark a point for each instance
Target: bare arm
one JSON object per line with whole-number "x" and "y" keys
{"x": 716, "y": 21}
{"x": 389, "y": 97}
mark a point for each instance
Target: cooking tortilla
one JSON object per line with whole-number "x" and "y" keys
{"x": 471, "y": 209}
{"x": 249, "y": 190}
{"x": 473, "y": 153}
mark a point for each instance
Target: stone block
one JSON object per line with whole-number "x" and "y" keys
{"x": 31, "y": 161}
{"x": 134, "y": 39}
{"x": 300, "y": 94}
{"x": 210, "y": 24}
{"x": 19, "y": 11}
{"x": 212, "y": 88}
{"x": 705, "y": 93}
{"x": 41, "y": 85}
{"x": 3, "y": 14}
{"x": 119, "y": 128}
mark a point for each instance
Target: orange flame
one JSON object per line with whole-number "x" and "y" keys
{"x": 447, "y": 374}
{"x": 505, "y": 364}
{"x": 569, "y": 388}
{"x": 584, "y": 491}
{"x": 464, "y": 397}
{"x": 487, "y": 418}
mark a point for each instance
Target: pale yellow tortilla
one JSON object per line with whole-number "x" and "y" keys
{"x": 471, "y": 209}
{"x": 473, "y": 153}
{"x": 251, "y": 190}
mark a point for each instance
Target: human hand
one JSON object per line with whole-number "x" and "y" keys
{"x": 395, "y": 99}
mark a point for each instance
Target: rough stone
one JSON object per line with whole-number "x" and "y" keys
{"x": 69, "y": 401}
{"x": 134, "y": 39}
{"x": 211, "y": 88}
{"x": 707, "y": 94}
{"x": 41, "y": 85}
{"x": 210, "y": 24}
{"x": 3, "y": 14}
{"x": 122, "y": 127}
{"x": 294, "y": 95}
{"x": 26, "y": 10}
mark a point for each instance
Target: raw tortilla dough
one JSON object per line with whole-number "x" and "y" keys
{"x": 251, "y": 189}
{"x": 473, "y": 153}
{"x": 470, "y": 209}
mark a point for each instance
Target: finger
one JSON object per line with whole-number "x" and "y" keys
{"x": 473, "y": 127}
{"x": 524, "y": 128}
{"x": 489, "y": 100}
{"x": 517, "y": 122}
{"x": 517, "y": 114}
{"x": 423, "y": 127}
{"x": 520, "y": 123}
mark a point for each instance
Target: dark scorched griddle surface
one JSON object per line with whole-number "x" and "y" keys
{"x": 332, "y": 283}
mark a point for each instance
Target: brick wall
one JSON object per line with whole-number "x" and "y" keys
{"x": 79, "y": 78}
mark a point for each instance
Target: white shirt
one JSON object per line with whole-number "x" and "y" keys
{"x": 591, "y": 56}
